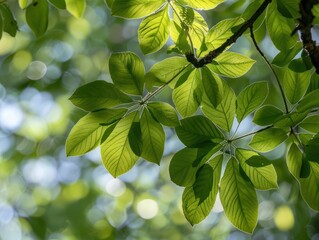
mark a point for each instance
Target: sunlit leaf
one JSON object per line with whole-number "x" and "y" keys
{"x": 311, "y": 149}
{"x": 290, "y": 119}
{"x": 294, "y": 160}
{"x": 88, "y": 131}
{"x": 197, "y": 130}
{"x": 213, "y": 86}
{"x": 289, "y": 8}
{"x": 308, "y": 102}
{"x": 58, "y": 3}
{"x": 127, "y": 72}
{"x": 201, "y": 4}
{"x": 223, "y": 115}
{"x": 231, "y": 64}
{"x": 294, "y": 84}
{"x": 267, "y": 140}
{"x": 135, "y": 8}
{"x": 280, "y": 28}
{"x": 109, "y": 3}
{"x": 9, "y": 24}
{"x": 154, "y": 31}
{"x": 164, "y": 113}
{"x": 250, "y": 99}
{"x": 311, "y": 123}
{"x": 186, "y": 162}
{"x": 261, "y": 173}
{"x": 250, "y": 10}
{"x": 153, "y": 138}
{"x": 199, "y": 199}
{"x": 117, "y": 154}
{"x": 267, "y": 115}
{"x": 23, "y": 3}
{"x": 187, "y": 93}
{"x": 37, "y": 15}
{"x": 219, "y": 33}
{"x": 167, "y": 71}
{"x": 98, "y": 95}
{"x": 238, "y": 198}
{"x": 284, "y": 57}
{"x": 76, "y": 7}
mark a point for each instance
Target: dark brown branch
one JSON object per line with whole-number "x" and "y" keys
{"x": 305, "y": 25}
{"x": 213, "y": 54}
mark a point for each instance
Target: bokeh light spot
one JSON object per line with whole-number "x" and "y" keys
{"x": 36, "y": 70}
{"x": 284, "y": 218}
{"x": 115, "y": 187}
{"x": 21, "y": 60}
{"x": 147, "y": 208}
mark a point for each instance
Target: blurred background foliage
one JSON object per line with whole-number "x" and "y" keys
{"x": 44, "y": 195}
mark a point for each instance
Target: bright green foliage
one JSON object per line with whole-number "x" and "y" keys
{"x": 153, "y": 134}
{"x": 87, "y": 133}
{"x": 280, "y": 28}
{"x": 284, "y": 57}
{"x": 154, "y": 31}
{"x": 213, "y": 86}
{"x": 239, "y": 198}
{"x": 164, "y": 113}
{"x": 198, "y": 130}
{"x": 310, "y": 101}
{"x": 98, "y": 95}
{"x": 250, "y": 99}
{"x": 117, "y": 154}
{"x": 166, "y": 72}
{"x": 37, "y": 16}
{"x": 223, "y": 115}
{"x": 259, "y": 170}
{"x": 231, "y": 64}
{"x": 59, "y": 3}
{"x": 8, "y": 23}
{"x": 187, "y": 93}
{"x": 268, "y": 139}
{"x": 267, "y": 115}
{"x": 311, "y": 123}
{"x": 135, "y": 8}
{"x": 127, "y": 72}
{"x": 201, "y": 5}
{"x": 76, "y": 7}
{"x": 199, "y": 199}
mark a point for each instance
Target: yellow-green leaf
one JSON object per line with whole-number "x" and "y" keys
{"x": 76, "y": 7}
{"x": 267, "y": 140}
{"x": 201, "y": 4}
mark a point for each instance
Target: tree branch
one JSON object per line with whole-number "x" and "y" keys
{"x": 305, "y": 25}
{"x": 198, "y": 63}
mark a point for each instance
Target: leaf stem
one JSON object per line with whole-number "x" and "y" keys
{"x": 152, "y": 94}
{"x": 271, "y": 68}
{"x": 249, "y": 134}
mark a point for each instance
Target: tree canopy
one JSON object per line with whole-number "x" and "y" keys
{"x": 222, "y": 95}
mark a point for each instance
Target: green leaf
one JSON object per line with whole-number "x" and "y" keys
{"x": 1, "y": 26}
{"x": 201, "y": 4}
{"x": 219, "y": 33}
{"x": 187, "y": 93}
{"x": 280, "y": 28}
{"x": 267, "y": 140}
{"x": 294, "y": 84}
{"x": 154, "y": 31}
{"x": 231, "y": 64}
{"x": 250, "y": 99}
{"x": 290, "y": 120}
{"x": 250, "y": 10}
{"x": 167, "y": 71}
{"x": 288, "y": 8}
{"x": 9, "y": 24}
{"x": 98, "y": 95}
{"x": 193, "y": 26}
{"x": 127, "y": 72}
{"x": 58, "y": 3}
{"x": 285, "y": 57}
{"x": 135, "y": 138}
{"x": 109, "y": 3}
{"x": 164, "y": 113}
{"x": 37, "y": 15}
{"x": 198, "y": 199}
{"x": 135, "y": 8}
{"x": 23, "y": 3}
{"x": 311, "y": 149}
{"x": 267, "y": 115}
{"x": 238, "y": 198}
{"x": 223, "y": 115}
{"x": 213, "y": 86}
{"x": 117, "y": 154}
{"x": 309, "y": 186}
{"x": 197, "y": 130}
{"x": 310, "y": 101}
{"x": 260, "y": 171}
{"x": 88, "y": 131}
{"x": 186, "y": 162}
{"x": 153, "y": 138}
{"x": 76, "y": 7}
{"x": 311, "y": 123}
